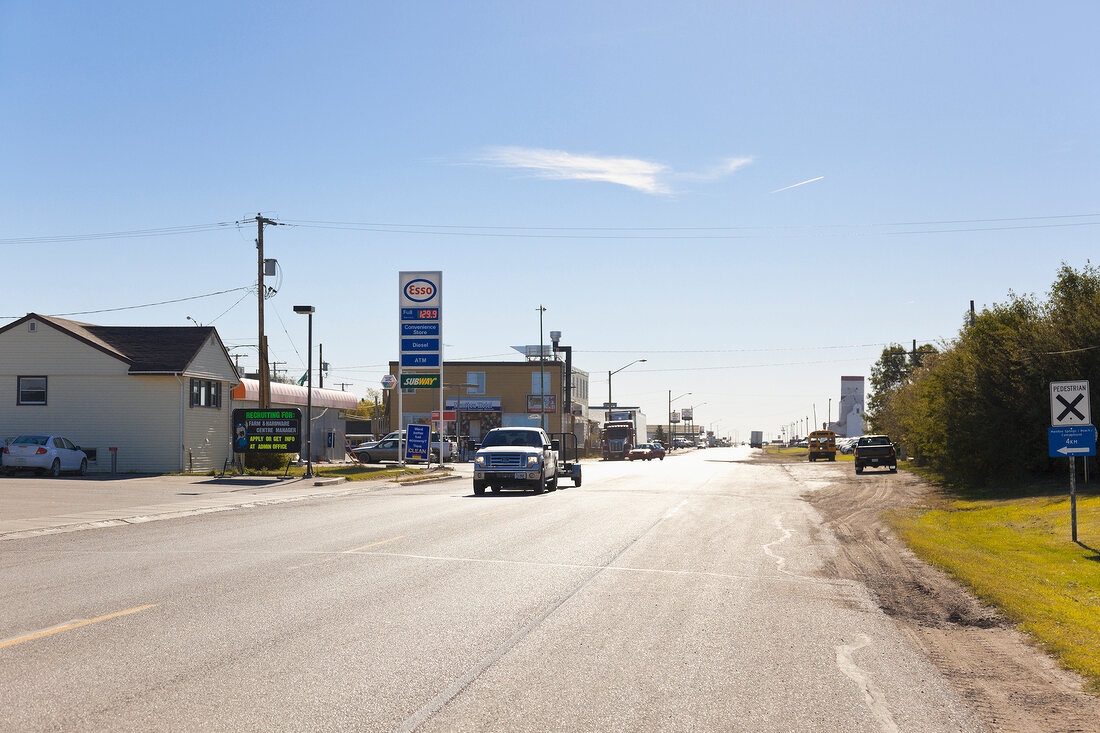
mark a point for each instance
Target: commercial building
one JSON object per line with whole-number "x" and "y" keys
{"x": 483, "y": 395}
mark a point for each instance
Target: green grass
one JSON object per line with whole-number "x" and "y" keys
{"x": 1017, "y": 555}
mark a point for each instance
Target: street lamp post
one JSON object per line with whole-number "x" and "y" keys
{"x": 609, "y": 374}
{"x": 308, "y": 310}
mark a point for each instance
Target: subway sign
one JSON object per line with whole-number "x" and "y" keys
{"x": 419, "y": 381}
{"x": 267, "y": 431}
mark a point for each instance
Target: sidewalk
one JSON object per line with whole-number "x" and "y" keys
{"x": 31, "y": 506}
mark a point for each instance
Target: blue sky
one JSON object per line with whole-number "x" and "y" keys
{"x": 627, "y": 165}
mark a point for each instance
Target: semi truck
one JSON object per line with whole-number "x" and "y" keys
{"x": 756, "y": 439}
{"x": 621, "y": 433}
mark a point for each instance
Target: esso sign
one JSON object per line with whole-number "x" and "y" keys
{"x": 420, "y": 290}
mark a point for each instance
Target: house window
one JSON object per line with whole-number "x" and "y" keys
{"x": 477, "y": 378}
{"x": 31, "y": 391}
{"x": 206, "y": 393}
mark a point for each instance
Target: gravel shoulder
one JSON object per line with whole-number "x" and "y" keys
{"x": 1010, "y": 683}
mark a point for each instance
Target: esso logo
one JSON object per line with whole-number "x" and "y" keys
{"x": 420, "y": 290}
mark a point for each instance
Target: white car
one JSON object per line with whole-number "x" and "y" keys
{"x": 49, "y": 454}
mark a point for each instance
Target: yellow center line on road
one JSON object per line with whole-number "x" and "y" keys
{"x": 73, "y": 625}
{"x": 375, "y": 544}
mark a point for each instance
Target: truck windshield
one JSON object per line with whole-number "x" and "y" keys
{"x": 523, "y": 438}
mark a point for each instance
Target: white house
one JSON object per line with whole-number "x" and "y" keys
{"x": 160, "y": 395}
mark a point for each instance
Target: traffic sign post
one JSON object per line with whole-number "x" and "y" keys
{"x": 420, "y": 333}
{"x": 1069, "y": 403}
{"x": 1072, "y": 433}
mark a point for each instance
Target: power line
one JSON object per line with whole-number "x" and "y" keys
{"x": 497, "y": 231}
{"x": 145, "y": 305}
{"x": 942, "y": 222}
{"x": 127, "y": 234}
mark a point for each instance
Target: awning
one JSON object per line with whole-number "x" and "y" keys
{"x": 291, "y": 394}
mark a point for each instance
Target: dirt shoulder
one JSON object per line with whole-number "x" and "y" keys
{"x": 1010, "y": 684}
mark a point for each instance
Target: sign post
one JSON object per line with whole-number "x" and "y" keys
{"x": 1071, "y": 433}
{"x": 420, "y": 334}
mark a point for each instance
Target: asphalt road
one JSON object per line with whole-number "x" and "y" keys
{"x": 674, "y": 595}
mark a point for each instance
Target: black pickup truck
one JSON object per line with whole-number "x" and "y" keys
{"x": 877, "y": 451}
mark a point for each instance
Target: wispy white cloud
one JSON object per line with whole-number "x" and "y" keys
{"x": 641, "y": 175}
{"x": 720, "y": 170}
{"x": 796, "y": 185}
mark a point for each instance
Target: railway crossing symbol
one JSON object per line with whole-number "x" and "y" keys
{"x": 1069, "y": 403}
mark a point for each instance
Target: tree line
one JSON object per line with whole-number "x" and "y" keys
{"x": 978, "y": 407}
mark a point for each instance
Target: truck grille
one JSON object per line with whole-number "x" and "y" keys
{"x": 616, "y": 446}
{"x": 504, "y": 460}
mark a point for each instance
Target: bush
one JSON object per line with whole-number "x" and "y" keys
{"x": 267, "y": 461}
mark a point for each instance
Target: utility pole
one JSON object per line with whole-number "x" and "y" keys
{"x": 261, "y": 291}
{"x": 343, "y": 386}
{"x": 321, "y": 369}
{"x": 275, "y": 372}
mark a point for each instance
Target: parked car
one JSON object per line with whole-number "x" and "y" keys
{"x": 661, "y": 447}
{"x": 49, "y": 454}
{"x": 644, "y": 452}
{"x": 876, "y": 451}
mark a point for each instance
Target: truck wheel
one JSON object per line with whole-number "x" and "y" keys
{"x": 859, "y": 470}
{"x": 893, "y": 469}
{"x": 496, "y": 488}
{"x": 479, "y": 487}
{"x": 577, "y": 481}
{"x": 552, "y": 484}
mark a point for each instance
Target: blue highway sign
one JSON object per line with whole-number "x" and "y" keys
{"x": 1072, "y": 440}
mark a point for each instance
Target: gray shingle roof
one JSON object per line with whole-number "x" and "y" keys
{"x": 144, "y": 348}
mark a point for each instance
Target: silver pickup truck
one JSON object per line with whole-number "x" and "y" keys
{"x": 516, "y": 458}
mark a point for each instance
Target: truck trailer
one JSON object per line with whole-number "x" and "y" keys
{"x": 756, "y": 439}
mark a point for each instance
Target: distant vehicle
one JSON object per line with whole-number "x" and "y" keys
{"x": 877, "y": 451}
{"x": 617, "y": 439}
{"x": 48, "y": 454}
{"x": 846, "y": 445}
{"x": 658, "y": 444}
{"x": 822, "y": 444}
{"x": 644, "y": 452}
{"x": 510, "y": 458}
{"x": 756, "y": 439}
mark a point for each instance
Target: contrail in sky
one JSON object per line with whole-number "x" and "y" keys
{"x": 798, "y": 184}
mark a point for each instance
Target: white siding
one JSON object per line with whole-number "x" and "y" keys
{"x": 23, "y": 352}
{"x": 137, "y": 414}
{"x": 212, "y": 363}
{"x": 206, "y": 434}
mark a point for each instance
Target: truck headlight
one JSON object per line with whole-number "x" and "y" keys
{"x": 532, "y": 460}
{"x": 479, "y": 460}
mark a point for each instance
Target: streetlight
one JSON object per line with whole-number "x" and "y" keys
{"x": 671, "y": 436}
{"x": 636, "y": 361}
{"x": 542, "y": 378}
{"x": 308, "y": 310}
{"x": 694, "y": 435}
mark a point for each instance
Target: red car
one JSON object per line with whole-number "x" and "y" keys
{"x": 646, "y": 452}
